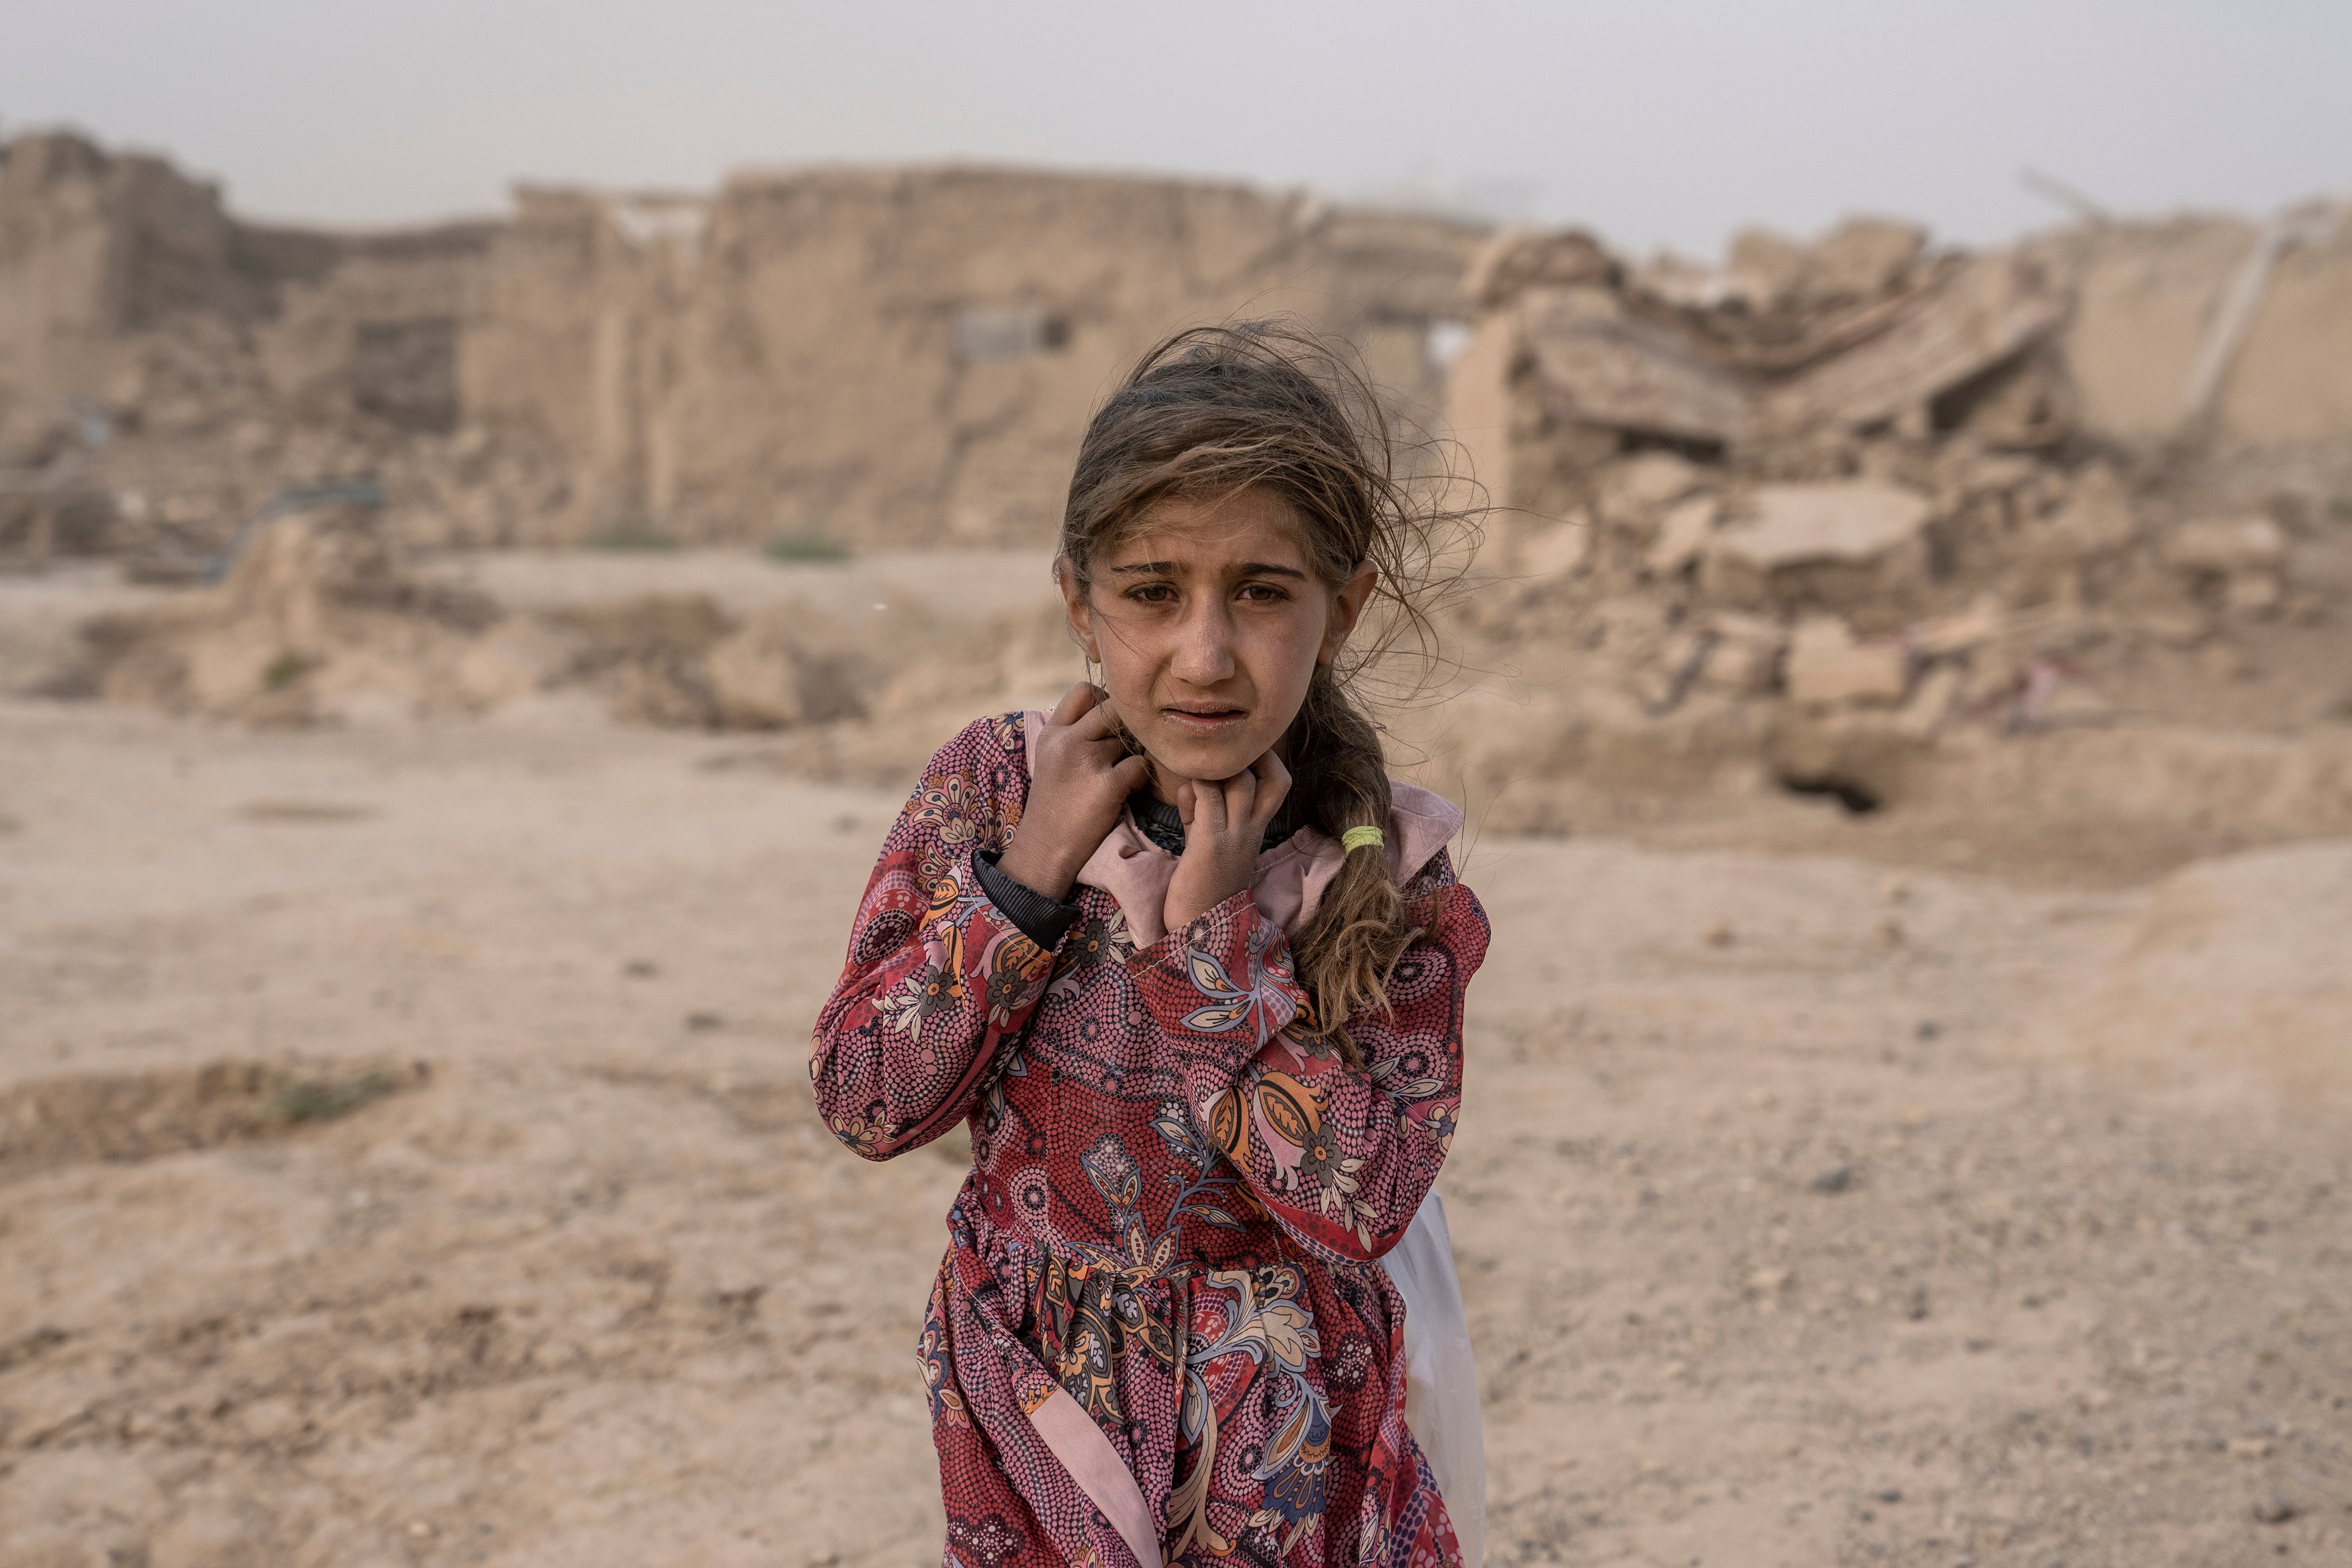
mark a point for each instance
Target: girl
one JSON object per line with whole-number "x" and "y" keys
{"x": 1192, "y": 969}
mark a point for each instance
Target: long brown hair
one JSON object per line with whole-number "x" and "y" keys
{"x": 1218, "y": 409}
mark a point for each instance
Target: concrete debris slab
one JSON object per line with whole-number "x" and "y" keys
{"x": 1792, "y": 525}
{"x": 1941, "y": 338}
{"x": 1609, "y": 359}
{"x": 1604, "y": 364}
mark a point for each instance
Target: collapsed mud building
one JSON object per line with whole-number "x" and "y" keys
{"x": 1846, "y": 515}
{"x": 1856, "y": 517}
{"x": 870, "y": 356}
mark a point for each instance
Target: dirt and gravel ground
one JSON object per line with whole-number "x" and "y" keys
{"x": 1810, "y": 1209}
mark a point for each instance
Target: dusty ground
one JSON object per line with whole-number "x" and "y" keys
{"x": 1810, "y": 1209}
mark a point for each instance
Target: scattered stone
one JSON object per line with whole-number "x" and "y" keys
{"x": 1744, "y": 654}
{"x": 641, "y": 969}
{"x": 1914, "y": 1305}
{"x": 2097, "y": 519}
{"x": 1683, "y": 534}
{"x": 2248, "y": 1448}
{"x": 703, "y": 1023}
{"x": 2275, "y": 1510}
{"x": 1518, "y": 259}
{"x": 1828, "y": 667}
{"x": 2227, "y": 548}
{"x": 1981, "y": 623}
{"x": 1934, "y": 703}
{"x": 1847, "y": 543}
{"x": 1557, "y": 548}
{"x": 1863, "y": 257}
{"x": 1836, "y": 1179}
{"x": 1636, "y": 489}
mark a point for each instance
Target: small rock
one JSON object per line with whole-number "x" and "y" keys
{"x": 2227, "y": 547}
{"x": 2275, "y": 1510}
{"x": 1637, "y": 488}
{"x": 1682, "y": 535}
{"x": 1827, "y": 666}
{"x": 1914, "y": 1305}
{"x": 641, "y": 969}
{"x": 2248, "y": 1448}
{"x": 702, "y": 1023}
{"x": 1981, "y": 623}
{"x": 1836, "y": 1179}
{"x": 1557, "y": 548}
{"x": 1928, "y": 1029}
{"x": 1721, "y": 935}
{"x": 1891, "y": 1494}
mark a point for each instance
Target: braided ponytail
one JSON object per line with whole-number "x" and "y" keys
{"x": 1360, "y": 928}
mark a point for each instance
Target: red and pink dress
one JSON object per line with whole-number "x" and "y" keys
{"x": 1161, "y": 1333}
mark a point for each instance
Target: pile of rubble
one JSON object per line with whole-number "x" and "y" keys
{"x": 322, "y": 616}
{"x": 1810, "y": 514}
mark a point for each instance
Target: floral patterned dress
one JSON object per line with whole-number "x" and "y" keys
{"x": 1175, "y": 1206}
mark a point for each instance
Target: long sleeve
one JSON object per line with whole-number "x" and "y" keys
{"x": 938, "y": 977}
{"x": 1341, "y": 1157}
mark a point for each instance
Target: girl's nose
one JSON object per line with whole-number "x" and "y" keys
{"x": 1204, "y": 650}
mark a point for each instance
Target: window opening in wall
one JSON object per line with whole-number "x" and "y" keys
{"x": 1443, "y": 341}
{"x": 987, "y": 334}
{"x": 406, "y": 372}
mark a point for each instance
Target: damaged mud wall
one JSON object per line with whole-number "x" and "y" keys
{"x": 901, "y": 357}
{"x": 2153, "y": 300}
{"x": 872, "y": 357}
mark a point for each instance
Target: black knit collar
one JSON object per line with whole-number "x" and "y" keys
{"x": 1164, "y": 825}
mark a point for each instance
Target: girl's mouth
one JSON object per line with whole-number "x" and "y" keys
{"x": 1203, "y": 720}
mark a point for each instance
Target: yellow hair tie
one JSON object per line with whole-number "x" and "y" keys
{"x": 1357, "y": 838}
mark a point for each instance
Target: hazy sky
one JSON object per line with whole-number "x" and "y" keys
{"x": 1665, "y": 122}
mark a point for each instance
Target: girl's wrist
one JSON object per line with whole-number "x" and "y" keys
{"x": 1037, "y": 871}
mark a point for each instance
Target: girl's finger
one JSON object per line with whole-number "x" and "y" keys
{"x": 1240, "y": 796}
{"x": 1187, "y": 801}
{"x": 1209, "y": 804}
{"x": 1098, "y": 720}
{"x": 1074, "y": 703}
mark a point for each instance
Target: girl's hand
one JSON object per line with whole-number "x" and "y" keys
{"x": 1225, "y": 823}
{"x": 1079, "y": 778}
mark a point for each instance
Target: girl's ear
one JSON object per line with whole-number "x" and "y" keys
{"x": 1074, "y": 605}
{"x": 1347, "y": 607}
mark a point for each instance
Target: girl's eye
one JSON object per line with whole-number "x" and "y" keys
{"x": 1151, "y": 594}
{"x": 1263, "y": 593}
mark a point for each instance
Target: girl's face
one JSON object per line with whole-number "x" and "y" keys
{"x": 1209, "y": 624}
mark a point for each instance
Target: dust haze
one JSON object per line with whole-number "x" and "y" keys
{"x": 457, "y": 678}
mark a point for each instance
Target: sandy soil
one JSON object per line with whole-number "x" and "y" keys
{"x": 1810, "y": 1209}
